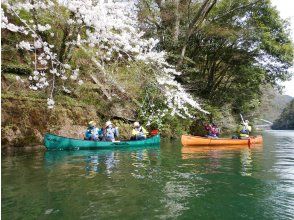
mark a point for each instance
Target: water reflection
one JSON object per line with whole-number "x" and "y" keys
{"x": 216, "y": 157}
{"x": 246, "y": 162}
{"x": 101, "y": 161}
{"x": 170, "y": 182}
{"x": 215, "y": 151}
{"x": 175, "y": 196}
{"x": 92, "y": 164}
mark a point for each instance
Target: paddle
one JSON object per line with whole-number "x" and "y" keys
{"x": 242, "y": 118}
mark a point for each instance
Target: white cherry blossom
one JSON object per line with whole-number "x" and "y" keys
{"x": 112, "y": 32}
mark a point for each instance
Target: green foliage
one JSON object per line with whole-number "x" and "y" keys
{"x": 242, "y": 45}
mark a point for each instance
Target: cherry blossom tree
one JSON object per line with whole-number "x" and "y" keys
{"x": 108, "y": 32}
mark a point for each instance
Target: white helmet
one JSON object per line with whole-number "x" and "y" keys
{"x": 108, "y": 123}
{"x": 136, "y": 124}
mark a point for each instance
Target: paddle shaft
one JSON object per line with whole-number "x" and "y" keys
{"x": 242, "y": 118}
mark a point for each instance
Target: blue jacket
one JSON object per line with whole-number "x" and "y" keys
{"x": 91, "y": 133}
{"x": 109, "y": 134}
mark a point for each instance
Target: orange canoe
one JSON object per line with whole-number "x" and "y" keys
{"x": 188, "y": 140}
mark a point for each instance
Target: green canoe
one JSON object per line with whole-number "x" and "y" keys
{"x": 53, "y": 141}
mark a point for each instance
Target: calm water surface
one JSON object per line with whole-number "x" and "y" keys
{"x": 166, "y": 182}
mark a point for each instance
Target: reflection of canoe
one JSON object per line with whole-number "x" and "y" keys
{"x": 188, "y": 140}
{"x": 57, "y": 142}
{"x": 53, "y": 156}
{"x": 203, "y": 149}
{"x": 223, "y": 151}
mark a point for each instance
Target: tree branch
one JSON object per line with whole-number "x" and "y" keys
{"x": 196, "y": 22}
{"x": 234, "y": 9}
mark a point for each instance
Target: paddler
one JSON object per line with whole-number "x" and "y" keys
{"x": 91, "y": 132}
{"x": 110, "y": 132}
{"x": 138, "y": 132}
{"x": 212, "y": 129}
{"x": 244, "y": 129}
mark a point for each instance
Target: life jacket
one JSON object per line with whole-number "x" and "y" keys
{"x": 243, "y": 135}
{"x": 110, "y": 134}
{"x": 91, "y": 133}
{"x": 100, "y": 133}
{"x": 139, "y": 132}
{"x": 244, "y": 130}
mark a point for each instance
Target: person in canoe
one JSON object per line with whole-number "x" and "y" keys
{"x": 110, "y": 132}
{"x": 100, "y": 134}
{"x": 138, "y": 132}
{"x": 244, "y": 129}
{"x": 212, "y": 129}
{"x": 91, "y": 132}
{"x": 216, "y": 129}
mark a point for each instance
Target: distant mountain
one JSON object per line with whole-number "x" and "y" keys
{"x": 286, "y": 120}
{"x": 272, "y": 104}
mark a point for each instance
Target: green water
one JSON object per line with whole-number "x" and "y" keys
{"x": 166, "y": 182}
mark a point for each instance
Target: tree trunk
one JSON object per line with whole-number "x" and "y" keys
{"x": 63, "y": 44}
{"x": 109, "y": 79}
{"x": 176, "y": 30}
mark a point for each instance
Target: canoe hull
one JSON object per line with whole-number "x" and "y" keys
{"x": 188, "y": 140}
{"x": 56, "y": 142}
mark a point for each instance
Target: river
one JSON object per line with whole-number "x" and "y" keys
{"x": 166, "y": 182}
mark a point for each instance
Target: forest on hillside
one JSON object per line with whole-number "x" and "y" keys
{"x": 272, "y": 104}
{"x": 160, "y": 62}
{"x": 286, "y": 120}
